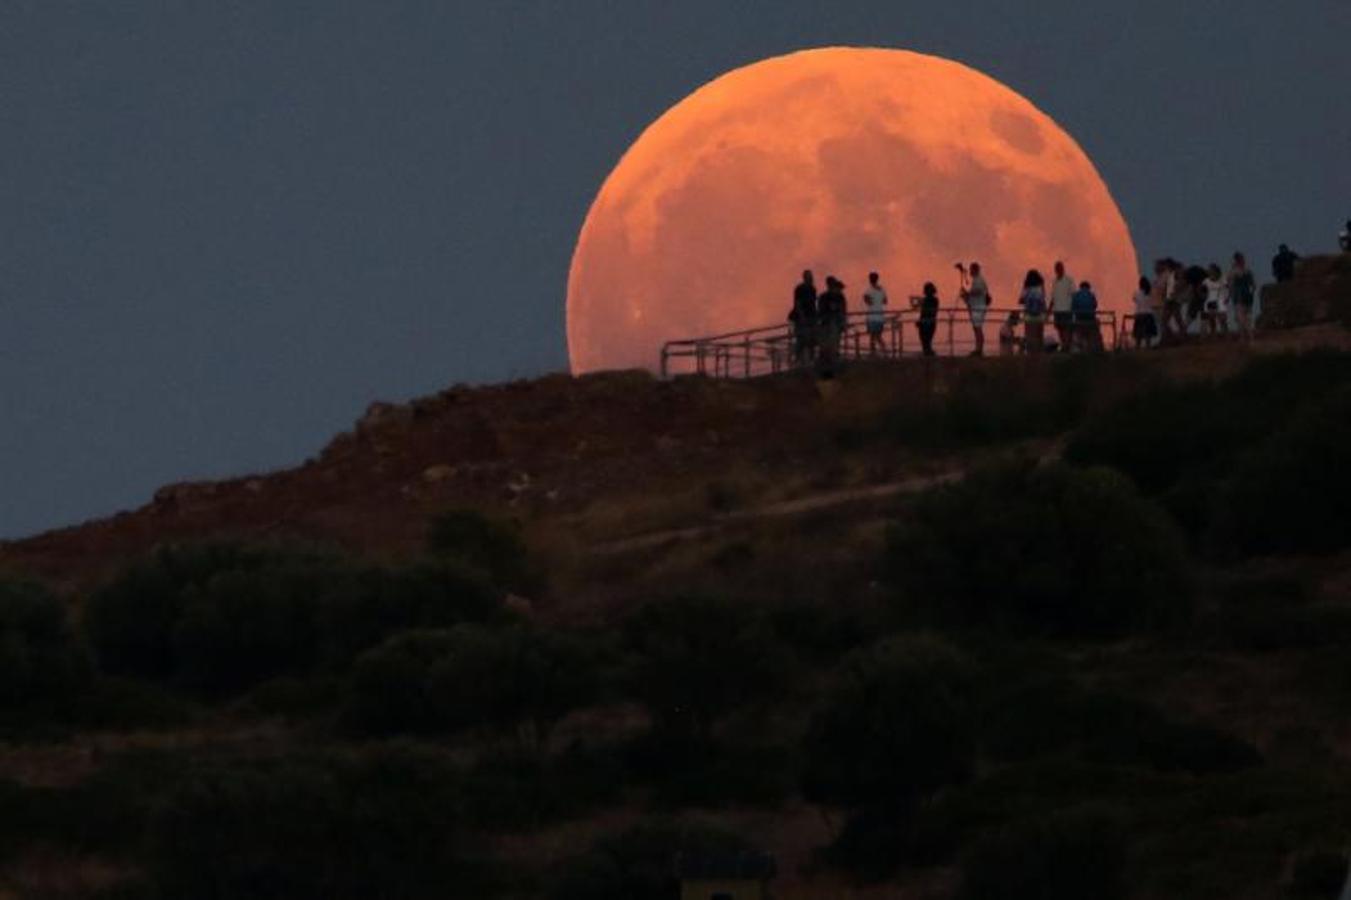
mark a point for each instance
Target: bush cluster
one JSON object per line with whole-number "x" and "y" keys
{"x": 432, "y": 682}
{"x": 219, "y": 619}
{"x": 1248, "y": 466}
{"x": 44, "y": 670}
{"x": 1047, "y": 549}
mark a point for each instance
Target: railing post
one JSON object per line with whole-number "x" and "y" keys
{"x": 952, "y": 345}
{"x": 746, "y": 345}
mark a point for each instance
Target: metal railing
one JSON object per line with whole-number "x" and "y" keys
{"x": 771, "y": 349}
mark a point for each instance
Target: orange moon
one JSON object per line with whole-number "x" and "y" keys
{"x": 841, "y": 160}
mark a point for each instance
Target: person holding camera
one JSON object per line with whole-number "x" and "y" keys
{"x": 975, "y": 294}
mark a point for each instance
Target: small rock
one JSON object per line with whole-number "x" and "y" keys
{"x": 438, "y": 473}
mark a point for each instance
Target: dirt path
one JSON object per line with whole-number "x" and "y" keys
{"x": 781, "y": 509}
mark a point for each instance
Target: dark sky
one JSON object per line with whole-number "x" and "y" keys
{"x": 225, "y": 227}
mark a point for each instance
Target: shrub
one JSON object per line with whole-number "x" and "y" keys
{"x": 1318, "y": 874}
{"x": 898, "y": 724}
{"x": 43, "y": 667}
{"x": 221, "y": 619}
{"x": 1047, "y": 549}
{"x": 492, "y": 546}
{"x": 1067, "y": 857}
{"x": 639, "y": 862}
{"x": 387, "y": 825}
{"x": 1056, "y": 717}
{"x": 1165, "y": 436}
{"x": 1292, "y": 493}
{"x": 684, "y": 771}
{"x": 131, "y": 620}
{"x": 519, "y": 791}
{"x": 440, "y": 682}
{"x": 699, "y": 658}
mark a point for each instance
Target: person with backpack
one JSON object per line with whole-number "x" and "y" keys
{"x": 1033, "y": 301}
{"x": 927, "y": 304}
{"x": 1084, "y": 307}
{"x": 1242, "y": 294}
{"x": 831, "y": 314}
{"x": 976, "y": 295}
{"x": 803, "y": 317}
{"x": 875, "y": 298}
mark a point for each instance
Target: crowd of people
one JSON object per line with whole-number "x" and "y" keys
{"x": 820, "y": 320}
{"x": 1180, "y": 302}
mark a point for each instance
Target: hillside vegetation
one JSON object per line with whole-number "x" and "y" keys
{"x": 1010, "y": 628}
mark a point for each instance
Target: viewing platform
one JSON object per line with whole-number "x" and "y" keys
{"x": 769, "y": 350}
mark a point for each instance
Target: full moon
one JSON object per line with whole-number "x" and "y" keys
{"x": 844, "y": 161}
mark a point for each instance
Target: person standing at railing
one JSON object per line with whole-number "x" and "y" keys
{"x": 928, "y": 316}
{"x": 1145, "y": 327}
{"x": 976, "y": 295}
{"x": 803, "y": 316}
{"x": 1033, "y": 302}
{"x": 1084, "y": 307}
{"x": 832, "y": 314}
{"x": 1062, "y": 298}
{"x": 875, "y": 298}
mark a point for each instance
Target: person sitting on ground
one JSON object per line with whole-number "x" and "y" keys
{"x": 831, "y": 313}
{"x": 1344, "y": 238}
{"x": 927, "y": 304}
{"x": 1033, "y": 301}
{"x": 1216, "y": 312}
{"x": 1084, "y": 307}
{"x": 803, "y": 317}
{"x": 977, "y": 298}
{"x": 1242, "y": 294}
{"x": 875, "y": 297}
{"x": 1283, "y": 264}
{"x": 1009, "y": 341}
{"x": 1145, "y": 328}
{"x": 1062, "y": 298}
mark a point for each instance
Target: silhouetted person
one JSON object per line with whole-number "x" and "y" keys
{"x": 1033, "y": 301}
{"x": 1173, "y": 328}
{"x": 1009, "y": 342}
{"x": 875, "y": 298}
{"x": 1283, "y": 264}
{"x": 1062, "y": 296}
{"x": 1145, "y": 327}
{"x": 1216, "y": 314}
{"x": 831, "y": 314}
{"x": 1344, "y": 238}
{"x": 976, "y": 294}
{"x": 927, "y": 304}
{"x": 1242, "y": 294}
{"x": 803, "y": 317}
{"x": 1084, "y": 306}
{"x": 1195, "y": 277}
